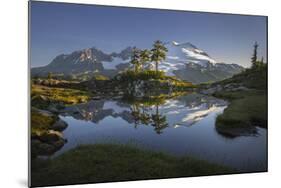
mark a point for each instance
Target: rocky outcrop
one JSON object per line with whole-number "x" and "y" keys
{"x": 47, "y": 143}
{"x": 215, "y": 88}
{"x": 142, "y": 88}
{"x": 59, "y": 125}
{"x": 46, "y": 132}
{"x": 235, "y": 132}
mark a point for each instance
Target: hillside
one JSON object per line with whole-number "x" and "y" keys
{"x": 247, "y": 94}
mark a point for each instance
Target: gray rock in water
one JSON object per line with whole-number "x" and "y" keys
{"x": 240, "y": 88}
{"x": 42, "y": 148}
{"x": 211, "y": 90}
{"x": 59, "y": 125}
{"x": 50, "y": 136}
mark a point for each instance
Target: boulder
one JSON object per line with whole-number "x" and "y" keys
{"x": 41, "y": 148}
{"x": 59, "y": 125}
{"x": 50, "y": 136}
{"x": 240, "y": 88}
{"x": 209, "y": 91}
{"x": 58, "y": 144}
{"x": 55, "y": 107}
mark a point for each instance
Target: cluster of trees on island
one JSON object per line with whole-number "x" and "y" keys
{"x": 140, "y": 57}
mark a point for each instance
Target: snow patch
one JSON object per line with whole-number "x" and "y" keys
{"x": 200, "y": 114}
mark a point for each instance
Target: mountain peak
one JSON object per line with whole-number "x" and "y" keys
{"x": 185, "y": 53}
{"x": 86, "y": 54}
{"x": 184, "y": 45}
{"x": 175, "y": 43}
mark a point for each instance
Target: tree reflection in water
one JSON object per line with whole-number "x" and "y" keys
{"x": 146, "y": 112}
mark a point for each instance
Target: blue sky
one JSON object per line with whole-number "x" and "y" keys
{"x": 58, "y": 28}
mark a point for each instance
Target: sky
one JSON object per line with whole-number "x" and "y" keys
{"x": 59, "y": 28}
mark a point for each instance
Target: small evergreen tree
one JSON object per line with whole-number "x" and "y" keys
{"x": 158, "y": 53}
{"x": 144, "y": 56}
{"x": 135, "y": 59}
{"x": 262, "y": 60}
{"x": 254, "y": 56}
{"x": 50, "y": 76}
{"x": 159, "y": 121}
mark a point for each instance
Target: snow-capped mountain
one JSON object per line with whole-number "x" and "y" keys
{"x": 183, "y": 60}
{"x": 179, "y": 55}
{"x": 187, "y": 52}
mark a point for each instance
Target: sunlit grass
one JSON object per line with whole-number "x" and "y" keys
{"x": 64, "y": 95}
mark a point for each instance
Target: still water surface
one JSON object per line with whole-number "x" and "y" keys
{"x": 180, "y": 126}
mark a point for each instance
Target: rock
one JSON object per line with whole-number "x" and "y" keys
{"x": 227, "y": 87}
{"x": 42, "y": 148}
{"x": 47, "y": 144}
{"x": 58, "y": 144}
{"x": 46, "y": 149}
{"x": 240, "y": 88}
{"x": 96, "y": 98}
{"x": 40, "y": 101}
{"x": 59, "y": 125}
{"x": 35, "y": 142}
{"x": 209, "y": 91}
{"x": 116, "y": 97}
{"x": 218, "y": 88}
{"x": 212, "y": 90}
{"x": 56, "y": 107}
{"x": 52, "y": 108}
{"x": 50, "y": 136}
{"x": 235, "y": 132}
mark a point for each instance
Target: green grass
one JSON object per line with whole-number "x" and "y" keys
{"x": 41, "y": 123}
{"x": 106, "y": 162}
{"x": 100, "y": 77}
{"x": 251, "y": 78}
{"x": 246, "y": 110}
{"x": 55, "y": 95}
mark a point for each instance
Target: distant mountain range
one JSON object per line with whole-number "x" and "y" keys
{"x": 184, "y": 60}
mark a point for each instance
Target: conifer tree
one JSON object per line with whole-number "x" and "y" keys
{"x": 158, "y": 53}
{"x": 135, "y": 59}
{"x": 254, "y": 56}
{"x": 144, "y": 56}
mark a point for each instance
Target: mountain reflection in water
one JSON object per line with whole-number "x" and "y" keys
{"x": 182, "y": 111}
{"x": 183, "y": 125}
